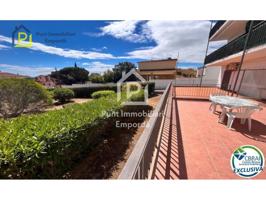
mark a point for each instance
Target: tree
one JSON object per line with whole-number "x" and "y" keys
{"x": 96, "y": 78}
{"x": 19, "y": 95}
{"x": 120, "y": 68}
{"x": 108, "y": 76}
{"x": 71, "y": 75}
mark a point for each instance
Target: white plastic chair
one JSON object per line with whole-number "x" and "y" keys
{"x": 243, "y": 112}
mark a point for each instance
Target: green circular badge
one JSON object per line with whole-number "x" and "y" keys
{"x": 247, "y": 161}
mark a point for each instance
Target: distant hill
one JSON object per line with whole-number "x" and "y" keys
{"x": 10, "y": 75}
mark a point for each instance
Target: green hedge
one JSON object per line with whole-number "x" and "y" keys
{"x": 86, "y": 92}
{"x": 46, "y": 145}
{"x": 102, "y": 93}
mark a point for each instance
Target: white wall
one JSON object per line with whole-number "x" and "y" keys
{"x": 213, "y": 75}
{"x": 161, "y": 84}
{"x": 254, "y": 79}
{"x": 254, "y": 84}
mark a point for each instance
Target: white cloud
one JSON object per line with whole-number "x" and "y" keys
{"x": 97, "y": 67}
{"x": 188, "y": 66}
{"x": 125, "y": 30}
{"x": 99, "y": 49}
{"x": 91, "y": 34}
{"x": 216, "y": 45}
{"x": 184, "y": 39}
{"x": 68, "y": 53}
{"x": 188, "y": 39}
{"x": 4, "y": 46}
{"x": 26, "y": 70}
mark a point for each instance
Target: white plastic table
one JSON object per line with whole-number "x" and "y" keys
{"x": 231, "y": 102}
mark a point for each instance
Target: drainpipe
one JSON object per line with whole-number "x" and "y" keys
{"x": 242, "y": 59}
{"x": 207, "y": 48}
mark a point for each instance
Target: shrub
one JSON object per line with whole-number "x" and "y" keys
{"x": 102, "y": 93}
{"x": 139, "y": 96}
{"x": 132, "y": 86}
{"x": 51, "y": 92}
{"x": 46, "y": 145}
{"x": 20, "y": 95}
{"x": 63, "y": 94}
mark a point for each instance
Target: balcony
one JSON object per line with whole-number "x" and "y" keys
{"x": 257, "y": 38}
{"x": 216, "y": 27}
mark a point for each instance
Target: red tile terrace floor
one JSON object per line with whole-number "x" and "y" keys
{"x": 194, "y": 145}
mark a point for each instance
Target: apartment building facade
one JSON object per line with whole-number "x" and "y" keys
{"x": 249, "y": 78}
{"x": 158, "y": 69}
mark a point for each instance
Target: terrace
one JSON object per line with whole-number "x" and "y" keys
{"x": 188, "y": 142}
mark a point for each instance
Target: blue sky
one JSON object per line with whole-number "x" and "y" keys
{"x": 99, "y": 45}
